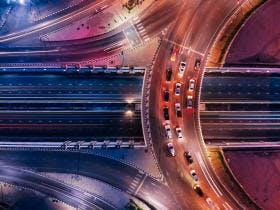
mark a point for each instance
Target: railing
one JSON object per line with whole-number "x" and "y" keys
{"x": 145, "y": 108}
{"x": 74, "y": 68}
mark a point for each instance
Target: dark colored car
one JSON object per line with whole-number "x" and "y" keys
{"x": 197, "y": 64}
{"x": 165, "y": 113}
{"x": 188, "y": 156}
{"x": 166, "y": 95}
{"x": 168, "y": 74}
{"x": 178, "y": 110}
{"x": 198, "y": 190}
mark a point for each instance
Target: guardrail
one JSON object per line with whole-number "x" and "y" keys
{"x": 145, "y": 109}
{"x": 241, "y": 70}
{"x": 118, "y": 70}
{"x": 243, "y": 145}
{"x": 73, "y": 145}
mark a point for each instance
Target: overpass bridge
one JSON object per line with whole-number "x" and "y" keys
{"x": 70, "y": 106}
{"x": 240, "y": 107}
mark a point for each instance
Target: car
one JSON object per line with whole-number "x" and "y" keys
{"x": 210, "y": 203}
{"x": 188, "y": 156}
{"x": 191, "y": 85}
{"x": 198, "y": 190}
{"x": 197, "y": 64}
{"x": 178, "y": 110}
{"x": 168, "y": 132}
{"x": 178, "y": 88}
{"x": 190, "y": 101}
{"x": 171, "y": 149}
{"x": 194, "y": 175}
{"x": 182, "y": 67}
{"x": 179, "y": 133}
{"x": 168, "y": 74}
{"x": 174, "y": 54}
{"x": 166, "y": 95}
{"x": 165, "y": 113}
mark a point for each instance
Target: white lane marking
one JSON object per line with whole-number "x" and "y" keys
{"x": 184, "y": 47}
{"x": 137, "y": 179}
{"x": 134, "y": 185}
{"x": 140, "y": 185}
{"x": 139, "y": 26}
{"x": 227, "y": 206}
{"x": 143, "y": 31}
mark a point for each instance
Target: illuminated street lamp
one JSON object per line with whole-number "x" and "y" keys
{"x": 129, "y": 113}
{"x": 22, "y": 2}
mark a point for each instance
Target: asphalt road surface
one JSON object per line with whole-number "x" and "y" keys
{"x": 195, "y": 27}
{"x": 262, "y": 88}
{"x": 57, "y": 107}
{"x": 107, "y": 170}
{"x": 70, "y": 195}
{"x": 248, "y": 126}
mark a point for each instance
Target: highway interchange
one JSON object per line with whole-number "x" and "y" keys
{"x": 77, "y": 105}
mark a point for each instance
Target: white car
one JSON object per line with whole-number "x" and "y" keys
{"x": 179, "y": 133}
{"x": 171, "y": 149}
{"x": 191, "y": 85}
{"x": 182, "y": 68}
{"x": 178, "y": 88}
{"x": 194, "y": 175}
{"x": 189, "y": 102}
{"x": 178, "y": 110}
{"x": 210, "y": 203}
{"x": 168, "y": 132}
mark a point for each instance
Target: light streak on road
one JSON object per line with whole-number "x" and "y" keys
{"x": 7, "y": 53}
{"x": 207, "y": 175}
{"x": 46, "y": 25}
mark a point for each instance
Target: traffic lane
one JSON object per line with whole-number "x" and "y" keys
{"x": 155, "y": 194}
{"x": 70, "y": 126}
{"x": 244, "y": 132}
{"x": 43, "y": 81}
{"x": 62, "y": 46}
{"x": 264, "y": 107}
{"x": 205, "y": 166}
{"x": 226, "y": 116}
{"x": 55, "y": 106}
{"x": 187, "y": 144}
{"x": 107, "y": 170}
{"x": 61, "y": 191}
{"x": 200, "y": 35}
{"x": 211, "y": 186}
{"x": 176, "y": 34}
{"x": 249, "y": 88}
{"x": 53, "y": 192}
{"x": 53, "y": 86}
{"x": 160, "y": 15}
{"x": 51, "y": 25}
{"x": 93, "y": 50}
{"x": 175, "y": 181}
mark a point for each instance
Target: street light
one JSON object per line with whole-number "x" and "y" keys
{"x": 22, "y": 2}
{"x": 129, "y": 113}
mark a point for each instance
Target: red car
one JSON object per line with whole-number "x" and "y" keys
{"x": 174, "y": 54}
